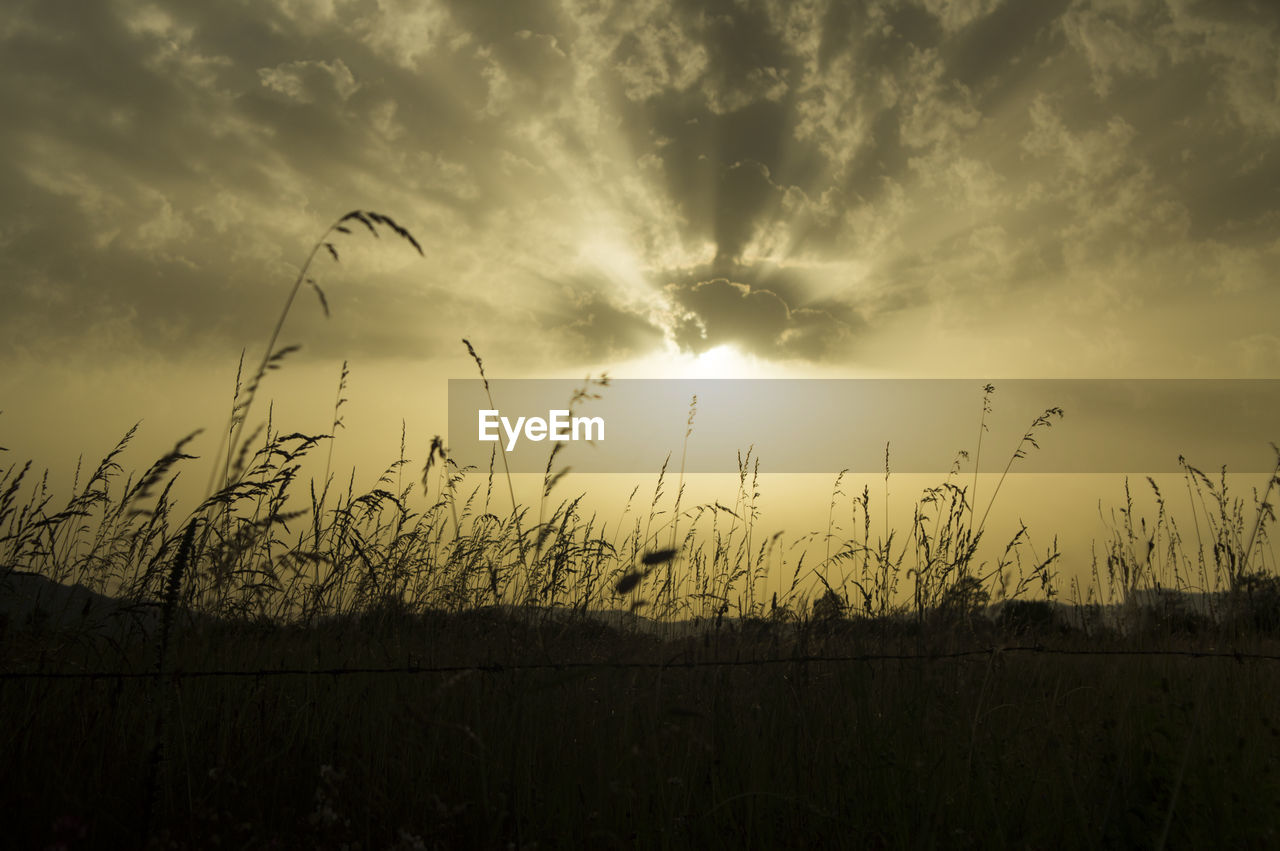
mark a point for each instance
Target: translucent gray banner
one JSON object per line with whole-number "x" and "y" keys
{"x": 828, "y": 425}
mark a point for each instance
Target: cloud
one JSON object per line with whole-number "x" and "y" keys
{"x": 591, "y": 330}
{"x": 409, "y": 32}
{"x": 594, "y": 176}
{"x": 1238, "y": 46}
{"x": 1095, "y": 155}
{"x": 657, "y": 54}
{"x": 1113, "y": 42}
{"x": 311, "y": 81}
{"x": 957, "y": 14}
{"x": 713, "y": 312}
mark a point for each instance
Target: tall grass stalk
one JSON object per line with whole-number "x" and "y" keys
{"x": 272, "y": 357}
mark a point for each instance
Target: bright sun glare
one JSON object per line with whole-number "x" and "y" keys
{"x": 723, "y": 361}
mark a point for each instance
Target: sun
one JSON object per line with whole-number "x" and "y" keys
{"x": 723, "y": 361}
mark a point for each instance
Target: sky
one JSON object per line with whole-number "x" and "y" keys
{"x": 909, "y": 188}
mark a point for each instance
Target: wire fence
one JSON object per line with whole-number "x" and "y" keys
{"x": 677, "y": 664}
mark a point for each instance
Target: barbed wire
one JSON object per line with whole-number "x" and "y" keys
{"x": 516, "y": 667}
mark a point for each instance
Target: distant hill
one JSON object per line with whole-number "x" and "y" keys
{"x": 32, "y": 602}
{"x": 29, "y": 601}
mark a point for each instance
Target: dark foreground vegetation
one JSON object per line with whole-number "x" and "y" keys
{"x": 1013, "y": 748}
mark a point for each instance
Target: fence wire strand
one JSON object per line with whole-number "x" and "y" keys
{"x": 516, "y": 667}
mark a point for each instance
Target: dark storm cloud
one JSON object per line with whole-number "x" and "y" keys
{"x": 719, "y": 311}
{"x": 162, "y": 164}
{"x": 589, "y": 329}
{"x": 166, "y": 165}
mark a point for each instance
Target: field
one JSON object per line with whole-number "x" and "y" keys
{"x": 500, "y": 732}
{"x": 433, "y": 664}
{"x": 381, "y": 678}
